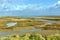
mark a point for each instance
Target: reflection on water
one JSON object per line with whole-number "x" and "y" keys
{"x": 21, "y": 32}
{"x": 48, "y": 21}
{"x": 11, "y": 24}
{"x": 5, "y": 33}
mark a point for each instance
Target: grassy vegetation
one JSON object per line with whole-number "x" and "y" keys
{"x": 31, "y": 36}
{"x": 24, "y": 22}
{"x": 54, "y": 18}
{"x": 27, "y": 36}
{"x": 28, "y": 23}
{"x": 21, "y": 22}
{"x": 53, "y": 37}
{"x": 53, "y": 26}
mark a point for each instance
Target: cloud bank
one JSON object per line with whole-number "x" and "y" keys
{"x": 10, "y": 8}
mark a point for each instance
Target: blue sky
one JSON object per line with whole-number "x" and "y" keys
{"x": 29, "y": 7}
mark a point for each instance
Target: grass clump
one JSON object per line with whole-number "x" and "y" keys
{"x": 54, "y": 37}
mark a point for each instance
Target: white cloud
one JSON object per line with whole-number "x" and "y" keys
{"x": 7, "y": 5}
{"x": 54, "y": 9}
{"x": 58, "y": 2}
{"x": 55, "y": 5}
{"x": 31, "y": 8}
{"x": 11, "y": 7}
